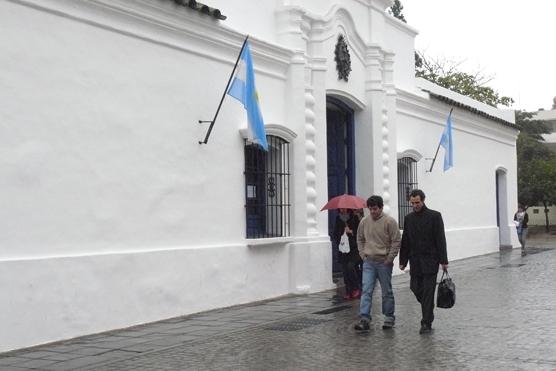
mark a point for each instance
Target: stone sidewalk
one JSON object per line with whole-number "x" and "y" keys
{"x": 505, "y": 317}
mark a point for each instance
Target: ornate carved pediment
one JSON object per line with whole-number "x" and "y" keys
{"x": 342, "y": 58}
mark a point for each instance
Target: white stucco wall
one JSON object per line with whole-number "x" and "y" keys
{"x": 102, "y": 144}
{"x": 400, "y": 38}
{"x": 107, "y": 195}
{"x": 259, "y": 18}
{"x": 254, "y": 18}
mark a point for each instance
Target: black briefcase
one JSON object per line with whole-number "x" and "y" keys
{"x": 446, "y": 295}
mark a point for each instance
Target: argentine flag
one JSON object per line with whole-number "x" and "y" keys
{"x": 448, "y": 144}
{"x": 243, "y": 89}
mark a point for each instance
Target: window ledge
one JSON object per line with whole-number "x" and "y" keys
{"x": 253, "y": 242}
{"x": 273, "y": 129}
{"x": 411, "y": 153}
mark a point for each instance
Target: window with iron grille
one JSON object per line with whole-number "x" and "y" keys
{"x": 267, "y": 189}
{"x": 407, "y": 181}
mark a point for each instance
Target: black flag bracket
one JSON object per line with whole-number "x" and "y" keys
{"x": 428, "y": 159}
{"x": 205, "y": 141}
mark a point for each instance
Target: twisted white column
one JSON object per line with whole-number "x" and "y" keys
{"x": 310, "y": 162}
{"x": 385, "y": 159}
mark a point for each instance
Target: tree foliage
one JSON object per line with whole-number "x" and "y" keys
{"x": 531, "y": 127}
{"x": 536, "y": 164}
{"x": 447, "y": 74}
{"x": 396, "y": 11}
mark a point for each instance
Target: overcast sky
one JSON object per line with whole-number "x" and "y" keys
{"x": 514, "y": 42}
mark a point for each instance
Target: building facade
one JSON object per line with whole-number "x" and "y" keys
{"x": 115, "y": 215}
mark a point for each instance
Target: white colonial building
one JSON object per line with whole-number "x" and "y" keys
{"x": 114, "y": 215}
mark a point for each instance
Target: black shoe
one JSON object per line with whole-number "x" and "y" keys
{"x": 363, "y": 325}
{"x": 425, "y": 329}
{"x": 387, "y": 325}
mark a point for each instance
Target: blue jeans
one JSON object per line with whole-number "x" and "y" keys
{"x": 371, "y": 271}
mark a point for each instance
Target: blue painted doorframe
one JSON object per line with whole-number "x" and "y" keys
{"x": 340, "y": 142}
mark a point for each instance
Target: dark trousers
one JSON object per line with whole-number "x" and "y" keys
{"x": 352, "y": 275}
{"x": 423, "y": 286}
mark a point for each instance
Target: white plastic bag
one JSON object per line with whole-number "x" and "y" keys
{"x": 344, "y": 244}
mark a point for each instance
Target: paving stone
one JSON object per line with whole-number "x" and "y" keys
{"x": 37, "y": 363}
{"x": 144, "y": 347}
{"x": 90, "y": 351}
{"x": 11, "y": 361}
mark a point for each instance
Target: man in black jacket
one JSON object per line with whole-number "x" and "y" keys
{"x": 424, "y": 246}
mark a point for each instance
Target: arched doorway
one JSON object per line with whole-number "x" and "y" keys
{"x": 340, "y": 158}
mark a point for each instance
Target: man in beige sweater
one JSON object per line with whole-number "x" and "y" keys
{"x": 378, "y": 241}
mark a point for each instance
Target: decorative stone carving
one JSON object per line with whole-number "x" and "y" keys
{"x": 385, "y": 159}
{"x": 342, "y": 58}
{"x": 310, "y": 162}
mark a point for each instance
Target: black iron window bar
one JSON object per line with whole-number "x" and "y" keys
{"x": 267, "y": 185}
{"x": 407, "y": 181}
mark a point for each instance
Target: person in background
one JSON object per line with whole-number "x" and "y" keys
{"x": 521, "y": 219}
{"x": 347, "y": 222}
{"x": 424, "y": 246}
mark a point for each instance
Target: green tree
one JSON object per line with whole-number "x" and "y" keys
{"x": 448, "y": 75}
{"x": 396, "y": 11}
{"x": 536, "y": 164}
{"x": 532, "y": 128}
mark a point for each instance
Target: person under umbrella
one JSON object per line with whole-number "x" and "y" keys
{"x": 348, "y": 255}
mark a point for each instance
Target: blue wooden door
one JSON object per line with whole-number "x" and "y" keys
{"x": 340, "y": 165}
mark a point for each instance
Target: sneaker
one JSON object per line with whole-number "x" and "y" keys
{"x": 356, "y": 294}
{"x": 425, "y": 329}
{"x": 363, "y": 325}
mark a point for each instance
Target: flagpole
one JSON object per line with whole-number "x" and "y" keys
{"x": 223, "y": 95}
{"x": 437, "y": 148}
{"x": 434, "y": 159}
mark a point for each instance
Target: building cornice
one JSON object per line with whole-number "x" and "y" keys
{"x": 474, "y": 110}
{"x": 419, "y": 106}
{"x": 400, "y": 25}
{"x": 506, "y": 118}
{"x": 320, "y": 28}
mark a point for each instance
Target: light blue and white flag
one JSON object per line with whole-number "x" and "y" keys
{"x": 243, "y": 89}
{"x": 448, "y": 144}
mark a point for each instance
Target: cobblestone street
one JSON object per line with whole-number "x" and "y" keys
{"x": 504, "y": 318}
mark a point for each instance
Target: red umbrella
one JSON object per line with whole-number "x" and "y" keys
{"x": 345, "y": 202}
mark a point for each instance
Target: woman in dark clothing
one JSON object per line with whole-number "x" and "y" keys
{"x": 521, "y": 218}
{"x": 347, "y": 222}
